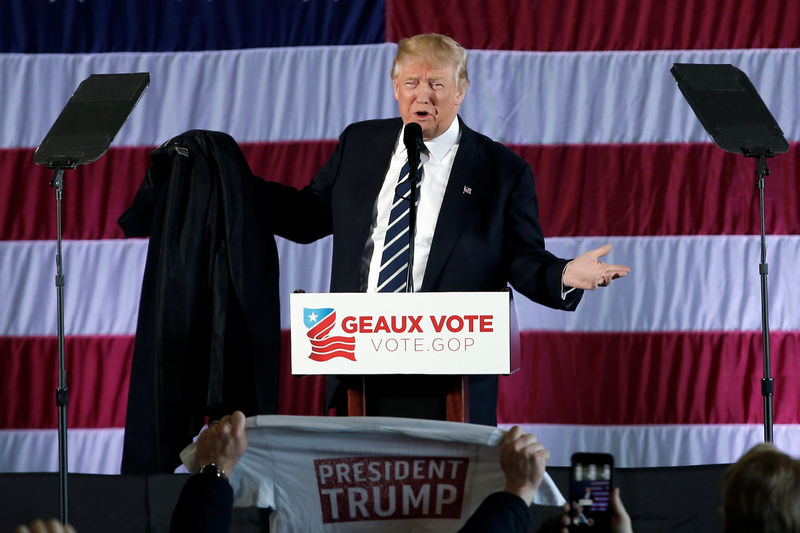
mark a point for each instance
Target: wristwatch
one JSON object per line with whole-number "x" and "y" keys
{"x": 213, "y": 469}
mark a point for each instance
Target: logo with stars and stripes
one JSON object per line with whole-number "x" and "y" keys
{"x": 320, "y": 322}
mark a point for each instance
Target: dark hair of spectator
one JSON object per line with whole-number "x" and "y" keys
{"x": 761, "y": 492}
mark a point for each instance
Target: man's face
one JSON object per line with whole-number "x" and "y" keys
{"x": 427, "y": 95}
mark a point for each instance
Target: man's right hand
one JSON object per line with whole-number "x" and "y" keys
{"x": 620, "y": 521}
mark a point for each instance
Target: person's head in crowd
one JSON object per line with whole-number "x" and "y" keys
{"x": 761, "y": 492}
{"x": 429, "y": 76}
{"x": 45, "y": 526}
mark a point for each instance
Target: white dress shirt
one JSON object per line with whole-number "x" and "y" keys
{"x": 436, "y": 172}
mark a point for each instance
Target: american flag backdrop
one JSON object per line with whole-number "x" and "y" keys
{"x": 662, "y": 368}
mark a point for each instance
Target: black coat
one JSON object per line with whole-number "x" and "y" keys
{"x": 208, "y": 333}
{"x": 205, "y": 505}
{"x": 500, "y": 511}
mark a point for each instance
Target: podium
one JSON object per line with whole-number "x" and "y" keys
{"x": 371, "y": 340}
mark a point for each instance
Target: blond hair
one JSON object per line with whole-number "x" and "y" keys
{"x": 438, "y": 50}
{"x": 761, "y": 492}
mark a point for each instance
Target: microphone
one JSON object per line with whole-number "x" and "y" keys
{"x": 412, "y": 138}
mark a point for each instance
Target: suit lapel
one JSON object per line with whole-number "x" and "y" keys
{"x": 456, "y": 206}
{"x": 376, "y": 162}
{"x": 373, "y": 161}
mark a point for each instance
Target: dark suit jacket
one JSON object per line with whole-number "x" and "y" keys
{"x": 205, "y": 505}
{"x": 487, "y": 234}
{"x": 500, "y": 511}
{"x": 483, "y": 240}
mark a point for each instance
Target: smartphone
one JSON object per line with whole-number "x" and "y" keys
{"x": 591, "y": 477}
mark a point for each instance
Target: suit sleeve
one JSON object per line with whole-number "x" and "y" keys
{"x": 500, "y": 511}
{"x": 533, "y": 270}
{"x": 303, "y": 215}
{"x": 204, "y": 506}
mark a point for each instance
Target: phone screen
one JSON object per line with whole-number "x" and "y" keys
{"x": 591, "y": 478}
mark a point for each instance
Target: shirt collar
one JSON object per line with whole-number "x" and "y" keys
{"x": 438, "y": 146}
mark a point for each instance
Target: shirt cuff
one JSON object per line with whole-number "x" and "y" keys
{"x": 564, "y": 289}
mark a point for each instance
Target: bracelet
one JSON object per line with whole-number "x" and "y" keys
{"x": 214, "y": 469}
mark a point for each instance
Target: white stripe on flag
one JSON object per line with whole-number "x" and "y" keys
{"x": 708, "y": 283}
{"x": 660, "y": 445}
{"x": 544, "y": 98}
{"x": 90, "y": 451}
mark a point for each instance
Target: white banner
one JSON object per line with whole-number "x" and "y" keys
{"x": 368, "y": 474}
{"x": 400, "y": 333}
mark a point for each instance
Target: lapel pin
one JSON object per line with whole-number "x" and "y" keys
{"x": 467, "y": 190}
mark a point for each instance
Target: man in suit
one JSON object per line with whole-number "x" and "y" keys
{"x": 477, "y": 216}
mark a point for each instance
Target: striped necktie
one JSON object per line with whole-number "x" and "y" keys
{"x": 394, "y": 261}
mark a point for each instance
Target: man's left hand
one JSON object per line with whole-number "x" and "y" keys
{"x": 523, "y": 461}
{"x": 587, "y": 271}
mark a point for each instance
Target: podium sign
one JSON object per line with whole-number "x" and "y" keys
{"x": 400, "y": 333}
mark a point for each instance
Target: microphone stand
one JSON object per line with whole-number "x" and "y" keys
{"x": 767, "y": 383}
{"x": 413, "y": 171}
{"x": 62, "y": 392}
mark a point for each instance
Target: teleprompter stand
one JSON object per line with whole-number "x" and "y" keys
{"x": 81, "y": 134}
{"x": 733, "y": 114}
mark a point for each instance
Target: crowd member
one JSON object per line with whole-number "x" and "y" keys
{"x": 42, "y": 526}
{"x": 206, "y": 502}
{"x": 477, "y": 213}
{"x": 761, "y": 493}
{"x": 523, "y": 460}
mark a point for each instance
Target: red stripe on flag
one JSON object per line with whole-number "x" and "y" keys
{"x": 566, "y": 378}
{"x": 291, "y": 163}
{"x": 600, "y": 24}
{"x": 659, "y": 189}
{"x": 650, "y": 378}
{"x": 94, "y": 195}
{"x": 98, "y": 370}
{"x": 586, "y": 190}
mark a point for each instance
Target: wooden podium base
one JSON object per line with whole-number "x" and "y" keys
{"x": 456, "y": 399}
